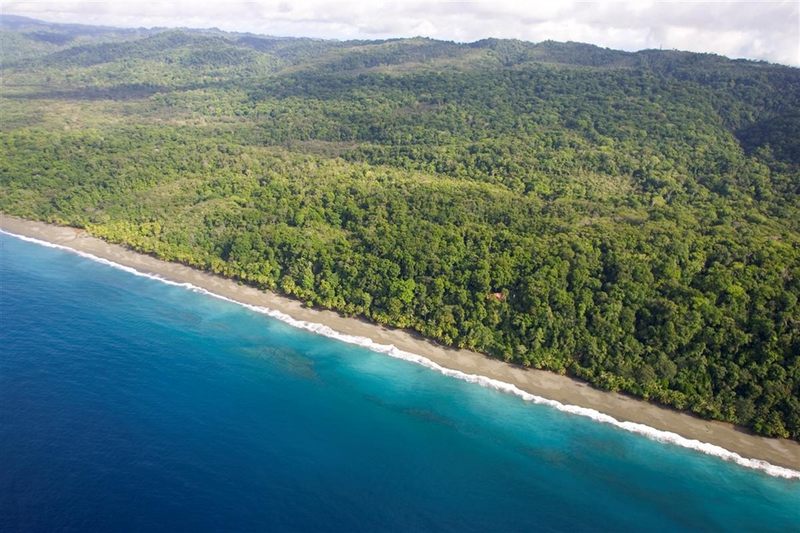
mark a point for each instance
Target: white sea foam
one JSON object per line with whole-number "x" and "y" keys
{"x": 483, "y": 381}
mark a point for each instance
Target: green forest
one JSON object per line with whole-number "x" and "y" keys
{"x": 630, "y": 219}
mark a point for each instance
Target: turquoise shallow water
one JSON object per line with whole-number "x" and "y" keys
{"x": 128, "y": 404}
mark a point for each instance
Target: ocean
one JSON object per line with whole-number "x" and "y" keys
{"x": 128, "y": 404}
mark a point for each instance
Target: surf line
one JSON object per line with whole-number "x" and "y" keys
{"x": 652, "y": 433}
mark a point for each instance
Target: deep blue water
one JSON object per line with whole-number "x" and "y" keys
{"x": 128, "y": 404}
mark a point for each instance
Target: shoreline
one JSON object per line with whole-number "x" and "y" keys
{"x": 561, "y": 392}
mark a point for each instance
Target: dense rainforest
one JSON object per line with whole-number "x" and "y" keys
{"x": 631, "y": 219}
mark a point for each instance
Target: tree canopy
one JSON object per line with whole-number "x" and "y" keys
{"x": 631, "y": 219}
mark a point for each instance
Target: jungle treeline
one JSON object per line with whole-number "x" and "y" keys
{"x": 631, "y": 219}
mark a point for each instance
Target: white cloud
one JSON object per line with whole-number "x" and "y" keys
{"x": 756, "y": 30}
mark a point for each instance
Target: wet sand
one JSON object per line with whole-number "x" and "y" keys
{"x": 780, "y": 452}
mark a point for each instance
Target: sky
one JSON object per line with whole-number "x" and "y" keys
{"x": 754, "y": 30}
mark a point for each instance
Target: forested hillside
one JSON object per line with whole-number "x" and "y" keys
{"x": 632, "y": 219}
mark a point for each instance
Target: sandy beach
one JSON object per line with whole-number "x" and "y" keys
{"x": 779, "y": 452}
